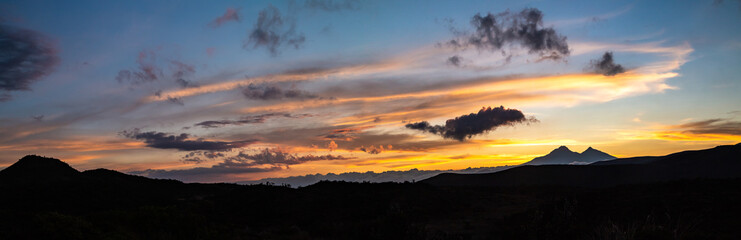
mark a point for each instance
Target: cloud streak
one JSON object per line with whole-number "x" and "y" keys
{"x": 182, "y": 142}
{"x": 251, "y": 119}
{"x": 265, "y": 91}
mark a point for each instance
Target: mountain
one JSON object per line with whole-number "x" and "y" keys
{"x": 411, "y": 175}
{"x": 592, "y": 155}
{"x": 716, "y": 163}
{"x": 563, "y": 155}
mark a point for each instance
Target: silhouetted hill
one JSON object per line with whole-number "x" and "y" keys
{"x": 632, "y": 160}
{"x": 105, "y": 204}
{"x": 716, "y": 163}
{"x": 36, "y": 169}
{"x": 563, "y": 155}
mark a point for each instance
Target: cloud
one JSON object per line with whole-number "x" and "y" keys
{"x": 27, "y": 56}
{"x": 269, "y": 32}
{"x": 704, "y": 130}
{"x": 332, "y": 146}
{"x": 180, "y": 71}
{"x": 494, "y": 32}
{"x": 38, "y": 118}
{"x": 375, "y": 150}
{"x": 176, "y": 100}
{"x": 712, "y": 126}
{"x": 252, "y": 119}
{"x": 182, "y": 142}
{"x": 606, "y": 65}
{"x": 231, "y": 14}
{"x": 196, "y": 156}
{"x": 264, "y": 91}
{"x": 345, "y": 134}
{"x": 147, "y": 70}
{"x": 455, "y": 60}
{"x": 333, "y": 5}
{"x": 276, "y": 157}
{"x": 466, "y": 126}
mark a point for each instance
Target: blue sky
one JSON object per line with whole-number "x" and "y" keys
{"x": 358, "y": 74}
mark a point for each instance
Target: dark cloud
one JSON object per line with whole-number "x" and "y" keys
{"x": 333, "y": 5}
{"x": 494, "y": 32}
{"x": 276, "y": 157}
{"x": 266, "y": 160}
{"x": 27, "y": 56}
{"x": 374, "y": 150}
{"x": 252, "y": 119}
{"x": 147, "y": 70}
{"x": 185, "y": 83}
{"x": 175, "y": 100}
{"x": 4, "y": 97}
{"x": 712, "y": 126}
{"x": 265, "y": 91}
{"x": 231, "y": 14}
{"x": 182, "y": 142}
{"x": 467, "y": 126}
{"x": 606, "y": 65}
{"x": 180, "y": 71}
{"x": 201, "y": 156}
{"x": 269, "y": 32}
{"x": 455, "y": 60}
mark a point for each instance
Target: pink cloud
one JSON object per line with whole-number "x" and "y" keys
{"x": 231, "y": 14}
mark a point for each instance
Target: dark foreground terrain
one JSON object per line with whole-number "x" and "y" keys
{"x": 44, "y": 198}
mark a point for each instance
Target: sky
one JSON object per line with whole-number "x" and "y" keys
{"x": 225, "y": 91}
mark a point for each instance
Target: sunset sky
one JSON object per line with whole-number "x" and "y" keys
{"x": 243, "y": 90}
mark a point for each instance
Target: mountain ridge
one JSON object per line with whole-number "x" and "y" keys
{"x": 563, "y": 155}
{"x": 720, "y": 162}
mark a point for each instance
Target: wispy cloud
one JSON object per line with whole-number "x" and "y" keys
{"x": 269, "y": 32}
{"x": 231, "y": 14}
{"x": 251, "y": 119}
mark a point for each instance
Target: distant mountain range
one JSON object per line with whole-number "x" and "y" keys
{"x": 370, "y": 176}
{"x": 560, "y": 155}
{"x": 715, "y": 163}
